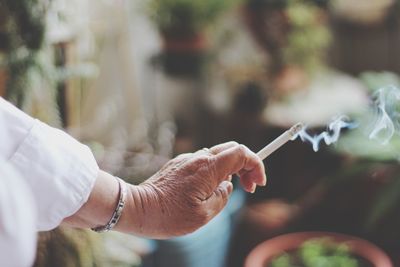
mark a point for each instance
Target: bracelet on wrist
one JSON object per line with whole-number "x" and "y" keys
{"x": 118, "y": 209}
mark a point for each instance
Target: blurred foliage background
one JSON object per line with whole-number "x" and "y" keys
{"x": 143, "y": 81}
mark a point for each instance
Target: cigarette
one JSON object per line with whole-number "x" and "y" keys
{"x": 280, "y": 141}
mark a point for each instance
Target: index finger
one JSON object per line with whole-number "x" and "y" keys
{"x": 221, "y": 147}
{"x": 240, "y": 159}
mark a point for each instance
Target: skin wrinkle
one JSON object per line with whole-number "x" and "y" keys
{"x": 142, "y": 205}
{"x": 213, "y": 166}
{"x": 207, "y": 185}
{"x": 136, "y": 200}
{"x": 142, "y": 201}
{"x": 186, "y": 193}
{"x": 184, "y": 169}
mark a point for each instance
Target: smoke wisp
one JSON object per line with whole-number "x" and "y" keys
{"x": 381, "y": 124}
{"x": 386, "y": 116}
{"x": 330, "y": 136}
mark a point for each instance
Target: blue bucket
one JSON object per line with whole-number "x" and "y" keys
{"x": 207, "y": 247}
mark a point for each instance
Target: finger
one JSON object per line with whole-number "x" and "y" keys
{"x": 216, "y": 149}
{"x": 203, "y": 151}
{"x": 253, "y": 177}
{"x": 248, "y": 185}
{"x": 222, "y": 147}
{"x": 239, "y": 159}
{"x": 218, "y": 199}
{"x": 254, "y": 170}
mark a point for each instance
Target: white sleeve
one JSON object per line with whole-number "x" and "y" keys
{"x": 59, "y": 170}
{"x": 18, "y": 215}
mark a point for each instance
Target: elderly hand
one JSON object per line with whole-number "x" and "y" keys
{"x": 192, "y": 188}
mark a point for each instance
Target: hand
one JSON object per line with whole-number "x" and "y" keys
{"x": 192, "y": 188}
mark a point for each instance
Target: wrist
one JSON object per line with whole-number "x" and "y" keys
{"x": 143, "y": 214}
{"x": 116, "y": 215}
{"x": 131, "y": 218}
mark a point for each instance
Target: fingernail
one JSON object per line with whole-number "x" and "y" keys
{"x": 253, "y": 188}
{"x": 230, "y": 187}
{"x": 265, "y": 181}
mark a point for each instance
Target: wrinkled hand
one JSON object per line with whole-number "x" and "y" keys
{"x": 192, "y": 188}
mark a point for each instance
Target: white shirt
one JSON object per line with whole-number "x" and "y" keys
{"x": 18, "y": 217}
{"x": 53, "y": 169}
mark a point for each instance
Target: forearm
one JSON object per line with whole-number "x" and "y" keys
{"x": 144, "y": 207}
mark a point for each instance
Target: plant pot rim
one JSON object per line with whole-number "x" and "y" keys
{"x": 195, "y": 42}
{"x": 273, "y": 247}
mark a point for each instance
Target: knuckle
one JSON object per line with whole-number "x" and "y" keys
{"x": 241, "y": 149}
{"x": 202, "y": 158}
{"x": 233, "y": 143}
{"x": 178, "y": 158}
{"x": 202, "y": 161}
{"x": 195, "y": 164}
{"x": 181, "y": 157}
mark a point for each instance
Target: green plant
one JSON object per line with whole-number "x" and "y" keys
{"x": 190, "y": 15}
{"x": 22, "y": 32}
{"x": 308, "y": 37}
{"x": 294, "y": 32}
{"x": 318, "y": 252}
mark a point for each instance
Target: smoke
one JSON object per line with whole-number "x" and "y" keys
{"x": 385, "y": 116}
{"x": 330, "y": 136}
{"x": 380, "y": 124}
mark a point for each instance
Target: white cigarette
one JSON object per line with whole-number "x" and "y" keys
{"x": 280, "y": 141}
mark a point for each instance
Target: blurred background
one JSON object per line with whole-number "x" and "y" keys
{"x": 141, "y": 81}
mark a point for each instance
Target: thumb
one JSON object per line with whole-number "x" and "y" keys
{"x": 218, "y": 199}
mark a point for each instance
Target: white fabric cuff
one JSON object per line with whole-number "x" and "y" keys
{"x": 60, "y": 171}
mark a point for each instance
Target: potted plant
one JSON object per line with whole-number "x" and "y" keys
{"x": 322, "y": 249}
{"x": 294, "y": 34}
{"x": 181, "y": 24}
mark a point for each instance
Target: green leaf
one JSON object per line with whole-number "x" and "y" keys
{"x": 386, "y": 200}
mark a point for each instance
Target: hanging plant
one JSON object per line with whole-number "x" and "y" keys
{"x": 182, "y": 24}
{"x": 22, "y": 32}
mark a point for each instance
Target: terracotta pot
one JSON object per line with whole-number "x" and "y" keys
{"x": 184, "y": 43}
{"x": 183, "y": 53}
{"x": 267, "y": 250}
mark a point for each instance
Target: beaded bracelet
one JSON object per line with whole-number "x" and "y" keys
{"x": 118, "y": 210}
